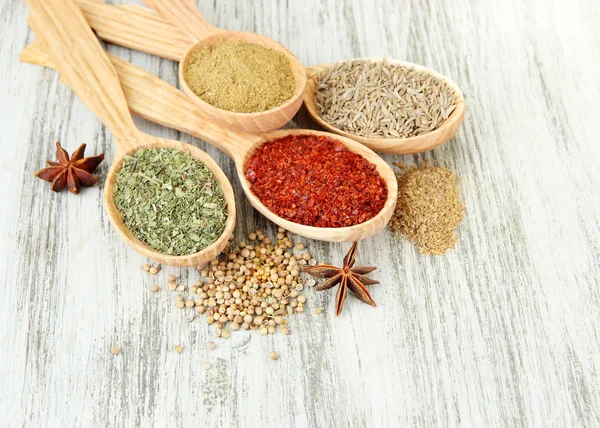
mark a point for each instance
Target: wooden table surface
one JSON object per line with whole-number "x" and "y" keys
{"x": 502, "y": 331}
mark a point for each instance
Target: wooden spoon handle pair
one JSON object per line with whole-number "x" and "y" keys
{"x": 144, "y": 30}
{"x": 169, "y": 34}
{"x": 82, "y": 62}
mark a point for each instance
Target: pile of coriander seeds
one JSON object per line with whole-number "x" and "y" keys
{"x": 254, "y": 286}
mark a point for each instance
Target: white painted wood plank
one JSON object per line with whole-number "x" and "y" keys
{"x": 502, "y": 331}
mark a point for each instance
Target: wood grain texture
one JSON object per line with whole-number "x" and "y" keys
{"x": 502, "y": 331}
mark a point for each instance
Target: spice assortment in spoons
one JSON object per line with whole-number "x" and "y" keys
{"x": 315, "y": 184}
{"x": 74, "y": 49}
{"x": 388, "y": 105}
{"x": 347, "y": 216}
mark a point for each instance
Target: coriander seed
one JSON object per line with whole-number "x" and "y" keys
{"x": 274, "y": 355}
{"x": 178, "y": 349}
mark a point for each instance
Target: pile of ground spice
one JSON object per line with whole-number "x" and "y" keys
{"x": 428, "y": 209}
{"x": 239, "y": 76}
{"x": 315, "y": 181}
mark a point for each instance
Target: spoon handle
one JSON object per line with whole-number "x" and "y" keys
{"x": 185, "y": 15}
{"x": 81, "y": 61}
{"x": 136, "y": 27}
{"x": 156, "y": 100}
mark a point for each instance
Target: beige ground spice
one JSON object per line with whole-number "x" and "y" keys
{"x": 428, "y": 209}
{"x": 240, "y": 77}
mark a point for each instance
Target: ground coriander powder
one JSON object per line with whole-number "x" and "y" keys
{"x": 240, "y": 77}
{"x": 429, "y": 208}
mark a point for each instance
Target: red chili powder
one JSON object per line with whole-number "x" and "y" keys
{"x": 316, "y": 181}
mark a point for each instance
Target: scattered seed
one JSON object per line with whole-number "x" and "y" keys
{"x": 178, "y": 349}
{"x": 115, "y": 350}
{"x": 206, "y": 365}
{"x": 146, "y": 268}
{"x": 249, "y": 288}
{"x": 153, "y": 270}
{"x": 274, "y": 355}
{"x": 211, "y": 345}
{"x": 155, "y": 288}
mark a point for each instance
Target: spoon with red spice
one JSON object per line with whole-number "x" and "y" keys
{"x": 263, "y": 165}
{"x": 83, "y": 63}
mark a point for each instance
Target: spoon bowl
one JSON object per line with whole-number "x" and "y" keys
{"x": 332, "y": 234}
{"x": 416, "y": 144}
{"x": 184, "y": 15}
{"x": 83, "y": 64}
{"x": 258, "y": 122}
{"x": 115, "y": 217}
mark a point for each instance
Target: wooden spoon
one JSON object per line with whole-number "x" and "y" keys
{"x": 156, "y": 100}
{"x": 184, "y": 15}
{"x": 417, "y": 144}
{"x": 141, "y": 29}
{"x": 83, "y": 63}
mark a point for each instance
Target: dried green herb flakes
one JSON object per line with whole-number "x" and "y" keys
{"x": 170, "y": 201}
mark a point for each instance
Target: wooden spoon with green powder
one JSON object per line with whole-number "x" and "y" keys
{"x": 160, "y": 102}
{"x": 82, "y": 62}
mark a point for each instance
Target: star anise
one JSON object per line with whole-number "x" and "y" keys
{"x": 72, "y": 172}
{"x": 348, "y": 276}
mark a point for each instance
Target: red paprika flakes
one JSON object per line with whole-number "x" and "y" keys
{"x": 315, "y": 181}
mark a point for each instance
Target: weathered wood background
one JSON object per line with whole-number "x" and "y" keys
{"x": 502, "y": 331}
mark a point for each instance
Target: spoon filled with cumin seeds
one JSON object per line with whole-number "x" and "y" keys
{"x": 315, "y": 184}
{"x": 243, "y": 81}
{"x": 387, "y": 105}
{"x": 82, "y": 62}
